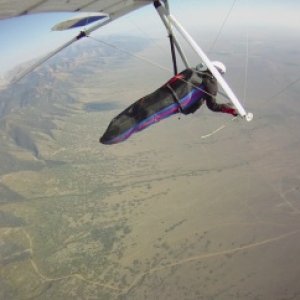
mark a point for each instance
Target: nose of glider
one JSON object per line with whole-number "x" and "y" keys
{"x": 106, "y": 138}
{"x": 113, "y": 130}
{"x": 102, "y": 140}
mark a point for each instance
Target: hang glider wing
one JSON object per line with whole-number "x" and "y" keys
{"x": 104, "y": 11}
{"x": 113, "y": 8}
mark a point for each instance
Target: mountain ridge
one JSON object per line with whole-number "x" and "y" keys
{"x": 32, "y": 108}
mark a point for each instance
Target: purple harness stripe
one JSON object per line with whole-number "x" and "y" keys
{"x": 185, "y": 103}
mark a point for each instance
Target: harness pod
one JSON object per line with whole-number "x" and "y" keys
{"x": 182, "y": 93}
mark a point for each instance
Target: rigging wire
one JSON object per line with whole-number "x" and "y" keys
{"x": 144, "y": 33}
{"x": 151, "y": 62}
{"x": 222, "y": 26}
{"x": 246, "y": 70}
{"x": 209, "y": 51}
{"x": 283, "y": 90}
{"x": 247, "y": 59}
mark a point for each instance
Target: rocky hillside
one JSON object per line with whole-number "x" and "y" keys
{"x": 31, "y": 108}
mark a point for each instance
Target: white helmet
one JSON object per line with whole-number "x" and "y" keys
{"x": 220, "y": 67}
{"x": 201, "y": 67}
{"x": 217, "y": 64}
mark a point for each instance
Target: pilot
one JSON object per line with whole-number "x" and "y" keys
{"x": 185, "y": 93}
{"x": 211, "y": 90}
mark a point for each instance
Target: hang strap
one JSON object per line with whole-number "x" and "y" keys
{"x": 175, "y": 97}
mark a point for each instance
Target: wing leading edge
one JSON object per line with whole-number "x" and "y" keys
{"x": 114, "y": 8}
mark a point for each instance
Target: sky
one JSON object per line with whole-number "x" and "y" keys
{"x": 28, "y": 37}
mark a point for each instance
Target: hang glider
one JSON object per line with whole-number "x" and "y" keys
{"x": 105, "y": 11}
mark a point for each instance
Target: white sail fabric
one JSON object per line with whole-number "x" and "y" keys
{"x": 113, "y": 8}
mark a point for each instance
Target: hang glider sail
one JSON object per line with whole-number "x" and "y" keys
{"x": 113, "y": 8}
